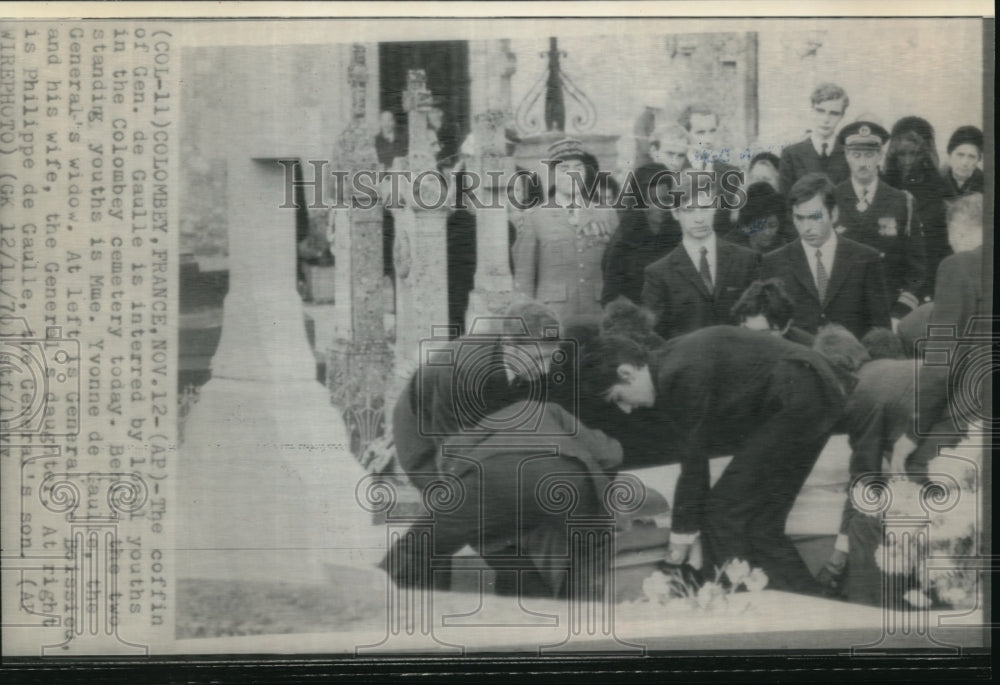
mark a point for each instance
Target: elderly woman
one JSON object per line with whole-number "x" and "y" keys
{"x": 557, "y": 256}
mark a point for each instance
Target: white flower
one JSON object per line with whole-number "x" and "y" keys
{"x": 917, "y": 598}
{"x": 958, "y": 466}
{"x": 957, "y": 522}
{"x": 898, "y": 558}
{"x": 958, "y": 597}
{"x": 709, "y": 594}
{"x": 736, "y": 570}
{"x": 756, "y": 580}
{"x": 905, "y": 499}
{"x": 656, "y": 588}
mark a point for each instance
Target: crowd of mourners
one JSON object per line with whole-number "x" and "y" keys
{"x": 751, "y": 321}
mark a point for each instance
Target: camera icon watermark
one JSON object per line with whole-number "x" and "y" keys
{"x": 961, "y": 364}
{"x": 497, "y": 378}
{"x": 39, "y": 380}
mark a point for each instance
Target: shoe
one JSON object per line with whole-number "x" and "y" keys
{"x": 833, "y": 583}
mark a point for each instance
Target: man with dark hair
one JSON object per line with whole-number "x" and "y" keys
{"x": 730, "y": 391}
{"x": 830, "y": 278}
{"x": 696, "y": 284}
{"x": 765, "y": 306}
{"x": 820, "y": 152}
{"x": 874, "y": 213}
{"x": 965, "y": 151}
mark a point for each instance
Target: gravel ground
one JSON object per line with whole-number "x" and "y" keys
{"x": 216, "y": 608}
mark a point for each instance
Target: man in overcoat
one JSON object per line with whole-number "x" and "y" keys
{"x": 768, "y": 402}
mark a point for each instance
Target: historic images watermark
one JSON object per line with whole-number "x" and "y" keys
{"x": 431, "y": 189}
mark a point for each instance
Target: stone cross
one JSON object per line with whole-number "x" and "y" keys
{"x": 360, "y": 360}
{"x": 420, "y": 250}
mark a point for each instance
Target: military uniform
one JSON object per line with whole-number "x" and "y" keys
{"x": 886, "y": 225}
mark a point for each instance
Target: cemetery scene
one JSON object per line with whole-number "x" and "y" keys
{"x": 416, "y": 423}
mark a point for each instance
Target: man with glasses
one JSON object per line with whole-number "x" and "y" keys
{"x": 880, "y": 216}
{"x": 820, "y": 152}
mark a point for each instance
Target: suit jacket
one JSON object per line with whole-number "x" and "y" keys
{"x": 855, "y": 294}
{"x": 801, "y": 158}
{"x": 887, "y": 226}
{"x": 958, "y": 295}
{"x": 555, "y": 264}
{"x": 974, "y": 184}
{"x": 674, "y": 291}
{"x": 632, "y": 248}
{"x": 717, "y": 386}
{"x": 428, "y": 412}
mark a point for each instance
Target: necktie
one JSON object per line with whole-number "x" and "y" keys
{"x": 863, "y": 204}
{"x": 825, "y": 145}
{"x": 821, "y": 277}
{"x": 706, "y": 273}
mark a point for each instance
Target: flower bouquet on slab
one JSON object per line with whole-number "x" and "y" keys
{"x": 931, "y": 532}
{"x": 682, "y": 588}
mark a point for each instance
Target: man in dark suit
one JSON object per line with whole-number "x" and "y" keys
{"x": 697, "y": 284}
{"x": 768, "y": 402}
{"x": 830, "y": 278}
{"x": 820, "y": 152}
{"x": 874, "y": 213}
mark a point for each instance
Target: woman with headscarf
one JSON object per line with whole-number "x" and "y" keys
{"x": 912, "y": 166}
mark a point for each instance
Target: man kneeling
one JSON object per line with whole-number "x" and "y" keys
{"x": 730, "y": 391}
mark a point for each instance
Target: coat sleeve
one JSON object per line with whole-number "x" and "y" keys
{"x": 656, "y": 298}
{"x": 615, "y": 270}
{"x": 786, "y": 172}
{"x": 691, "y": 492}
{"x": 950, "y": 295}
{"x": 914, "y": 260}
{"x": 525, "y": 257}
{"x": 876, "y": 302}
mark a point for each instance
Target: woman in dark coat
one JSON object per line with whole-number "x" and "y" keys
{"x": 644, "y": 235}
{"x": 911, "y": 165}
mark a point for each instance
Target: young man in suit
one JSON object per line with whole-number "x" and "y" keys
{"x": 697, "y": 284}
{"x": 830, "y": 278}
{"x": 874, "y": 213}
{"x": 820, "y": 152}
{"x": 768, "y": 402}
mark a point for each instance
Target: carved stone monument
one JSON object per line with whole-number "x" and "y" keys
{"x": 420, "y": 249}
{"x": 361, "y": 360}
{"x": 266, "y": 480}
